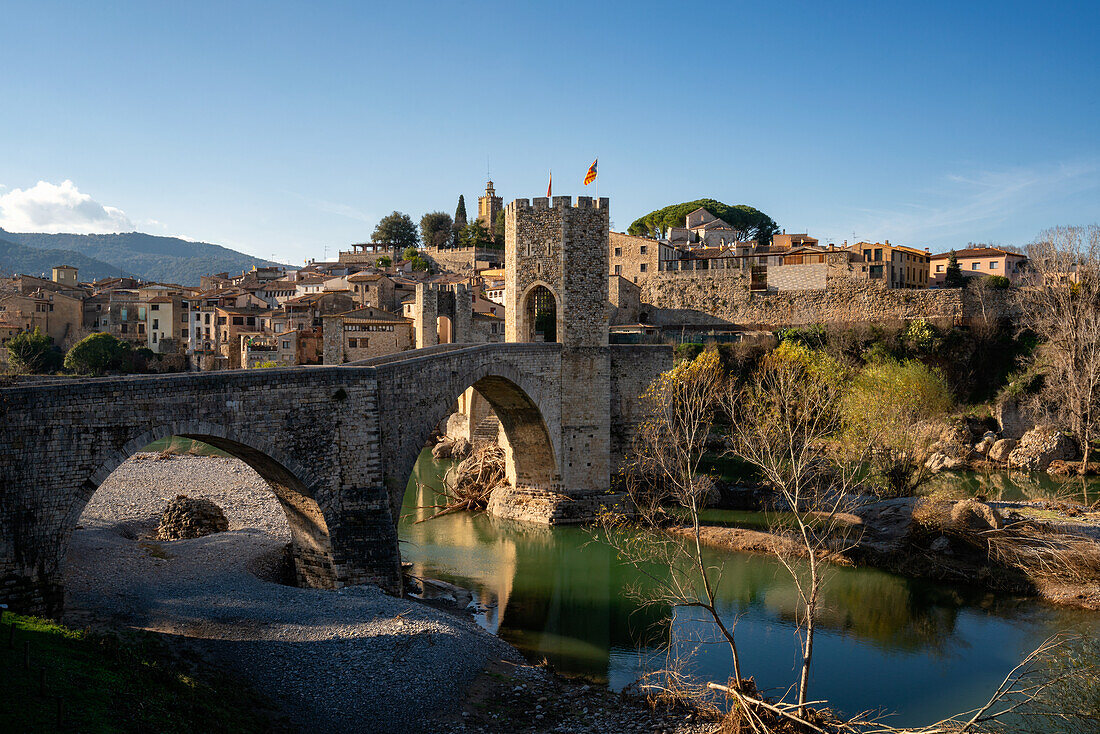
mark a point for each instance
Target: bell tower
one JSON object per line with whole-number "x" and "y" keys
{"x": 489, "y": 206}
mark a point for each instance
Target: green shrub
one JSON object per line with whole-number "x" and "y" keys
{"x": 889, "y": 409}
{"x": 33, "y": 352}
{"x": 99, "y": 353}
{"x": 921, "y": 337}
{"x": 813, "y": 336}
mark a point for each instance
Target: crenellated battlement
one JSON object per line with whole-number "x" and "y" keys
{"x": 542, "y": 203}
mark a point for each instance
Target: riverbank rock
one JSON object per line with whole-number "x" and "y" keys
{"x": 457, "y": 449}
{"x": 1010, "y": 418}
{"x": 974, "y": 515}
{"x": 1001, "y": 449}
{"x": 1073, "y": 467}
{"x": 938, "y": 462}
{"x": 953, "y": 440}
{"x": 191, "y": 518}
{"x": 983, "y": 446}
{"x": 1039, "y": 447}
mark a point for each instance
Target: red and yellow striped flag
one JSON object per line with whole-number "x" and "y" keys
{"x": 591, "y": 175}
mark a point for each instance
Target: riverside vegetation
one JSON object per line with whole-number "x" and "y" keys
{"x": 840, "y": 447}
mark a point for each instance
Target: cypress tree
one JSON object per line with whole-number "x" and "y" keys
{"x": 953, "y": 278}
{"x": 460, "y": 221}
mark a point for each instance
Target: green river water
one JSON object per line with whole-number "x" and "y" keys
{"x": 920, "y": 649}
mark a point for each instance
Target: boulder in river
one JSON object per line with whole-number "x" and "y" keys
{"x": 1040, "y": 446}
{"x": 187, "y": 517}
{"x": 938, "y": 462}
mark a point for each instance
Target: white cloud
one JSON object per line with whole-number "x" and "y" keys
{"x": 49, "y": 208}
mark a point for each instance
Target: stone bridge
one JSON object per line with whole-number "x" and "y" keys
{"x": 335, "y": 444}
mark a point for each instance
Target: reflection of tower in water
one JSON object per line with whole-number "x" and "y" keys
{"x": 569, "y": 601}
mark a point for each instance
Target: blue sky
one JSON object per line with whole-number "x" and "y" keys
{"x": 287, "y": 128}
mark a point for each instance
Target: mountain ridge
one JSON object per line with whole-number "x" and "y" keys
{"x": 150, "y": 257}
{"x": 17, "y": 258}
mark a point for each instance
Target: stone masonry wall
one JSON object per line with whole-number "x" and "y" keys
{"x": 723, "y": 297}
{"x": 805, "y": 277}
{"x": 633, "y": 368}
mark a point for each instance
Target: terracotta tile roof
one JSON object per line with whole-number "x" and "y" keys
{"x": 971, "y": 252}
{"x": 364, "y": 276}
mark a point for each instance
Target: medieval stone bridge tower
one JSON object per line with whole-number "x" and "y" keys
{"x": 556, "y": 264}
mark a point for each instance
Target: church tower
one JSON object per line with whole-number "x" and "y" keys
{"x": 489, "y": 206}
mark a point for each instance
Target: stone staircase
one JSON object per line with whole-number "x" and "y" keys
{"x": 486, "y": 431}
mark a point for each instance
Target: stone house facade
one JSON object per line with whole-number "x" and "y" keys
{"x": 364, "y": 333}
{"x": 897, "y": 266}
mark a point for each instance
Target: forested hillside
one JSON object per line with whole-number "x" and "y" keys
{"x": 163, "y": 259}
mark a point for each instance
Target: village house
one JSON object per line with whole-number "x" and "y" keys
{"x": 897, "y": 266}
{"x": 975, "y": 261}
{"x": 54, "y": 306}
{"x": 375, "y": 289}
{"x": 363, "y": 333}
{"x": 287, "y": 349}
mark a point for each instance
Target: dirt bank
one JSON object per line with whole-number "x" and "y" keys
{"x": 1041, "y": 548}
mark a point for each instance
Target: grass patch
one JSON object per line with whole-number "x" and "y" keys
{"x": 114, "y": 683}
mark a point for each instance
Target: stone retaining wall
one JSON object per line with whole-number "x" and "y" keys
{"x": 723, "y": 297}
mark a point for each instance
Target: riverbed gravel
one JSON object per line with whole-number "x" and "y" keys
{"x": 350, "y": 660}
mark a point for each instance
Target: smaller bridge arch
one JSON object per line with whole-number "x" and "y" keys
{"x": 291, "y": 482}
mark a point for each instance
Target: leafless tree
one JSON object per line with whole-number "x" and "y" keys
{"x": 784, "y": 422}
{"x": 669, "y": 448}
{"x": 1062, "y": 306}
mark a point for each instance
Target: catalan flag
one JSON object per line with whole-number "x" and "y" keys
{"x": 549, "y": 185}
{"x": 591, "y": 175}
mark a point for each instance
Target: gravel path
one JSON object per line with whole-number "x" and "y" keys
{"x": 350, "y": 660}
